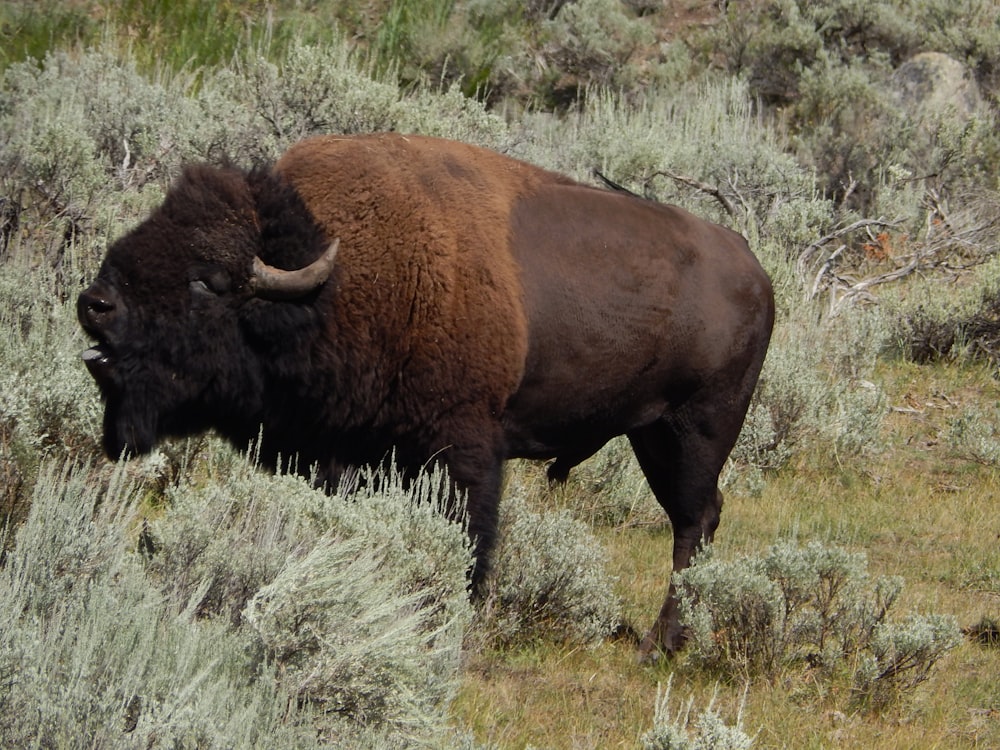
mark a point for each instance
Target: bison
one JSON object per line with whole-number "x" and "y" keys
{"x": 405, "y": 296}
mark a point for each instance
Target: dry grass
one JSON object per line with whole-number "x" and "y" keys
{"x": 919, "y": 510}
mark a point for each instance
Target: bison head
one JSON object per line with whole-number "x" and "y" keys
{"x": 188, "y": 306}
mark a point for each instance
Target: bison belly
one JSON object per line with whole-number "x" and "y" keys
{"x": 625, "y": 304}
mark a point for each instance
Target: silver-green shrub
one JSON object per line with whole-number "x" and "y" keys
{"x": 217, "y": 544}
{"x": 550, "y": 579}
{"x": 450, "y": 114}
{"x": 762, "y": 614}
{"x": 807, "y": 607}
{"x": 312, "y": 89}
{"x": 974, "y": 434}
{"x": 357, "y": 599}
{"x": 92, "y": 655}
{"x": 710, "y": 131}
{"x": 678, "y": 729}
{"x": 84, "y": 126}
{"x": 345, "y": 640}
{"x": 327, "y": 89}
{"x": 86, "y": 134}
{"x": 352, "y": 612}
{"x": 815, "y": 389}
{"x": 610, "y": 489}
{"x": 901, "y": 657}
{"x": 48, "y": 402}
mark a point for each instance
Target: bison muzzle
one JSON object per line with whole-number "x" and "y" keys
{"x": 390, "y": 295}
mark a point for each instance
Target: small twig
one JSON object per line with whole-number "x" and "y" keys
{"x": 860, "y": 289}
{"x": 747, "y": 210}
{"x": 848, "y": 190}
{"x": 823, "y": 270}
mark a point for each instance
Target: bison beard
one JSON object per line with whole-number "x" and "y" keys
{"x": 477, "y": 309}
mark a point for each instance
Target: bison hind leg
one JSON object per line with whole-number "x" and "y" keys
{"x": 682, "y": 468}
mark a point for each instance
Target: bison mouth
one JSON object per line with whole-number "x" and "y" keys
{"x": 99, "y": 360}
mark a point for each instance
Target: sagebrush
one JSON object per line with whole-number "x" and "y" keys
{"x": 809, "y": 607}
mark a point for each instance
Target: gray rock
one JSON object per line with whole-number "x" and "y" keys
{"x": 932, "y": 84}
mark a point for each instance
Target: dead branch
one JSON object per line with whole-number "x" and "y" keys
{"x": 704, "y": 187}
{"x": 806, "y": 256}
{"x": 860, "y": 290}
{"x": 954, "y": 241}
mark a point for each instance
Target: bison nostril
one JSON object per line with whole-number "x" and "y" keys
{"x": 96, "y": 309}
{"x": 99, "y": 305}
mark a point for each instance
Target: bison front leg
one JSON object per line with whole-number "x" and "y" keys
{"x": 476, "y": 472}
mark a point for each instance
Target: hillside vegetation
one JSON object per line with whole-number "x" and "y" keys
{"x": 191, "y": 599}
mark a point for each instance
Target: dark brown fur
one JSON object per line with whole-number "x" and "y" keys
{"x": 480, "y": 308}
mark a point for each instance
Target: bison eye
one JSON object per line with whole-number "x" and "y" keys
{"x": 211, "y": 283}
{"x": 199, "y": 287}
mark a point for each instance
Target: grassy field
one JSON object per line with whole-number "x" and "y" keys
{"x": 916, "y": 509}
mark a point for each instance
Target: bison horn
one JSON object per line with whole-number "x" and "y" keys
{"x": 277, "y": 284}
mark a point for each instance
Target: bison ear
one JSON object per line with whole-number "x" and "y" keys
{"x": 277, "y": 284}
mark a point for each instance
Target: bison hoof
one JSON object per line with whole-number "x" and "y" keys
{"x": 650, "y": 654}
{"x": 653, "y": 648}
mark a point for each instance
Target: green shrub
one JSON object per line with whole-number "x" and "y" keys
{"x": 811, "y": 607}
{"x": 549, "y": 580}
{"x": 901, "y": 656}
{"x": 859, "y": 130}
{"x": 405, "y": 20}
{"x": 89, "y": 652}
{"x": 358, "y": 599}
{"x": 827, "y": 65}
{"x": 679, "y": 730}
{"x": 815, "y": 390}
{"x": 589, "y": 43}
{"x": 939, "y": 319}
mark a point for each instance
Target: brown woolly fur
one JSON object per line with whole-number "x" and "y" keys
{"x": 479, "y": 308}
{"x": 422, "y": 228}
